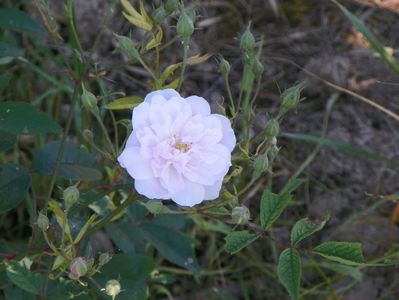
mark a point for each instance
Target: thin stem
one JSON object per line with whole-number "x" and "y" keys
{"x": 316, "y": 150}
{"x": 228, "y": 88}
{"x": 147, "y": 68}
{"x": 114, "y": 213}
{"x": 61, "y": 148}
{"x": 114, "y": 123}
{"x": 104, "y": 130}
{"x": 184, "y": 63}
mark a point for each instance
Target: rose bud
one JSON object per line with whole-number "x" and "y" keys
{"x": 43, "y": 222}
{"x": 185, "y": 26}
{"x": 78, "y": 268}
{"x": 240, "y": 215}
{"x": 70, "y": 196}
{"x": 247, "y": 41}
{"x": 112, "y": 288}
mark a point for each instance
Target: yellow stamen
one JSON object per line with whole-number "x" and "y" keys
{"x": 182, "y": 147}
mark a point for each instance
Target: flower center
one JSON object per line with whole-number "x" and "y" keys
{"x": 182, "y": 147}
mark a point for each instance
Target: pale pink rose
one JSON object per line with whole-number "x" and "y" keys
{"x": 178, "y": 150}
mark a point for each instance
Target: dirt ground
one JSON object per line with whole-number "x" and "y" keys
{"x": 315, "y": 35}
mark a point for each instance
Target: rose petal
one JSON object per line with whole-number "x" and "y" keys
{"x": 140, "y": 115}
{"x": 199, "y": 105}
{"x": 212, "y": 192}
{"x": 132, "y": 140}
{"x": 151, "y": 188}
{"x": 166, "y": 94}
{"x": 135, "y": 164}
{"x": 171, "y": 179}
{"x": 189, "y": 195}
{"x": 229, "y": 138}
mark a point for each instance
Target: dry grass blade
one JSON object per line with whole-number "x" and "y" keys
{"x": 343, "y": 90}
{"x": 386, "y": 4}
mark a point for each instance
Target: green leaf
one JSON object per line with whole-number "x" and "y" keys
{"x": 23, "y": 118}
{"x": 4, "y": 80}
{"x": 351, "y": 271}
{"x": 18, "y": 273}
{"x": 238, "y": 240}
{"x": 172, "y": 245}
{"x": 76, "y": 162}
{"x": 7, "y": 141}
{"x": 124, "y": 103}
{"x": 342, "y": 252}
{"x": 14, "y": 184}
{"x": 371, "y": 38}
{"x": 304, "y": 228}
{"x": 132, "y": 271}
{"x": 271, "y": 207}
{"x": 9, "y": 50}
{"x": 17, "y": 20}
{"x": 291, "y": 186}
{"x": 344, "y": 147}
{"x": 289, "y": 271}
{"x": 123, "y": 235}
{"x": 16, "y": 293}
{"x": 153, "y": 206}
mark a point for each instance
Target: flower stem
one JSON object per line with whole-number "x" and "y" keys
{"x": 61, "y": 148}
{"x": 184, "y": 63}
{"x": 227, "y": 83}
{"x": 96, "y": 113}
{"x": 114, "y": 213}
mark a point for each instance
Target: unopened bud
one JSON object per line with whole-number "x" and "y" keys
{"x": 192, "y": 14}
{"x": 70, "y": 196}
{"x": 261, "y": 163}
{"x": 171, "y": 6}
{"x": 185, "y": 26}
{"x": 240, "y": 215}
{"x": 273, "y": 151}
{"x": 247, "y": 41}
{"x": 113, "y": 288}
{"x": 88, "y": 99}
{"x": 159, "y": 14}
{"x": 104, "y": 259}
{"x": 258, "y": 68}
{"x": 127, "y": 46}
{"x": 290, "y": 97}
{"x": 78, "y": 268}
{"x": 87, "y": 135}
{"x": 272, "y": 128}
{"x": 224, "y": 66}
{"x": 43, "y": 222}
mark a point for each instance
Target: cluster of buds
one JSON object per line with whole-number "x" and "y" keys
{"x": 247, "y": 45}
